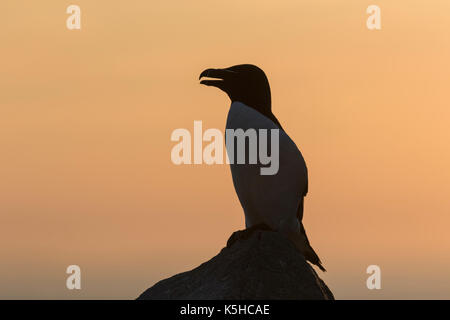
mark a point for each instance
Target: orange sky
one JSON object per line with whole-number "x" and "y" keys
{"x": 86, "y": 118}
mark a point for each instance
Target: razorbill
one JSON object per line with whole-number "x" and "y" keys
{"x": 274, "y": 201}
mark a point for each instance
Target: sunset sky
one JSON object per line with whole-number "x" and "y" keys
{"x": 86, "y": 117}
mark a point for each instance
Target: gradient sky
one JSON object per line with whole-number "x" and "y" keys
{"x": 86, "y": 118}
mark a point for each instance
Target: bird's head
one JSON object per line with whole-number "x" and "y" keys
{"x": 245, "y": 83}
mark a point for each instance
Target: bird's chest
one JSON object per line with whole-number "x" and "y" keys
{"x": 258, "y": 192}
{"x": 249, "y": 143}
{"x": 248, "y": 138}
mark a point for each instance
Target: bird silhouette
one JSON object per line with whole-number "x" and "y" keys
{"x": 274, "y": 201}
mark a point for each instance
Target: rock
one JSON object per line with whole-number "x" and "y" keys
{"x": 265, "y": 265}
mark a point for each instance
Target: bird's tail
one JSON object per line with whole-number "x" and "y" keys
{"x": 309, "y": 252}
{"x": 302, "y": 242}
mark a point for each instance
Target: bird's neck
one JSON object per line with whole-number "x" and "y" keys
{"x": 267, "y": 111}
{"x": 275, "y": 120}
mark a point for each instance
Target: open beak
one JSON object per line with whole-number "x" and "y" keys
{"x": 221, "y": 74}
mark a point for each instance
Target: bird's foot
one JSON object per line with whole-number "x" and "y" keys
{"x": 246, "y": 233}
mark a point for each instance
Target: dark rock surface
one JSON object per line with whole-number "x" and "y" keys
{"x": 264, "y": 266}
